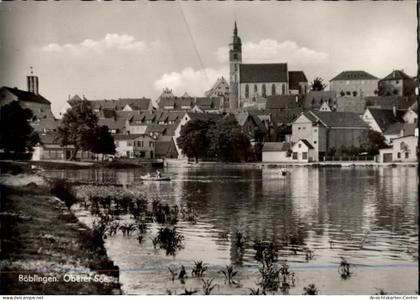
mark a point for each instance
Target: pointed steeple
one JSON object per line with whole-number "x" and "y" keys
{"x": 235, "y": 30}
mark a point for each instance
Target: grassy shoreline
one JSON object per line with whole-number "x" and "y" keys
{"x": 41, "y": 237}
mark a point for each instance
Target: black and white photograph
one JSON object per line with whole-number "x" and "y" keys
{"x": 209, "y": 148}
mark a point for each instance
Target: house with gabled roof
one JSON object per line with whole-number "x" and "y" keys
{"x": 219, "y": 89}
{"x": 134, "y": 145}
{"x": 252, "y": 126}
{"x": 380, "y": 119}
{"x": 328, "y": 130}
{"x": 357, "y": 83}
{"x": 403, "y": 149}
{"x": 397, "y": 83}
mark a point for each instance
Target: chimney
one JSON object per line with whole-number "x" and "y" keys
{"x": 32, "y": 81}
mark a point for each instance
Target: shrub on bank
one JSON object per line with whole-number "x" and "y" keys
{"x": 64, "y": 191}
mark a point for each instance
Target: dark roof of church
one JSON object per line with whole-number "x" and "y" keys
{"x": 353, "y": 75}
{"x": 263, "y": 73}
{"x": 296, "y": 77}
{"x": 27, "y": 96}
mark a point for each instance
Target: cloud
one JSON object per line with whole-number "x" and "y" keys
{"x": 194, "y": 82}
{"x": 269, "y": 51}
{"x": 111, "y": 41}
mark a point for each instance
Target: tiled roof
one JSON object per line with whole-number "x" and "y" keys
{"x": 125, "y": 137}
{"x": 354, "y": 75}
{"x": 284, "y": 101}
{"x": 27, "y": 96}
{"x": 385, "y": 117}
{"x": 397, "y": 127}
{"x": 306, "y": 143}
{"x": 165, "y": 147}
{"x": 49, "y": 138}
{"x": 295, "y": 77}
{"x": 339, "y": 119}
{"x": 274, "y": 147}
{"x": 314, "y": 99}
{"x": 397, "y": 74}
{"x": 263, "y": 73}
{"x": 204, "y": 116}
{"x": 45, "y": 124}
{"x": 135, "y": 103}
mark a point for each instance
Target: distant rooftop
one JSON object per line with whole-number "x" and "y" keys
{"x": 353, "y": 75}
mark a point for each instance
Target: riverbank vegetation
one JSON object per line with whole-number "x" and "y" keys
{"x": 40, "y": 236}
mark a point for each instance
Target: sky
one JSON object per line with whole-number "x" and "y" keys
{"x": 111, "y": 50}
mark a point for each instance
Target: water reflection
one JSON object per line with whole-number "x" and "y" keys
{"x": 366, "y": 215}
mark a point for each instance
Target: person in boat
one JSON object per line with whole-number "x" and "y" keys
{"x": 157, "y": 173}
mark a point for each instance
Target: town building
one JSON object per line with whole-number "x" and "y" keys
{"x": 354, "y": 83}
{"x": 328, "y": 130}
{"x": 381, "y": 119}
{"x": 219, "y": 89}
{"x": 251, "y": 126}
{"x": 276, "y": 152}
{"x": 397, "y": 83}
{"x": 403, "y": 149}
{"x": 250, "y": 81}
{"x": 134, "y": 145}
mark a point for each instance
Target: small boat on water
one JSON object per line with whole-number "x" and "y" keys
{"x": 148, "y": 177}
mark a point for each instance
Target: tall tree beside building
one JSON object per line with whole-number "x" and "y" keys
{"x": 78, "y": 127}
{"x": 223, "y": 140}
{"x": 103, "y": 141}
{"x": 193, "y": 139}
{"x": 318, "y": 84}
{"x": 229, "y": 141}
{"x": 372, "y": 142}
{"x": 16, "y": 133}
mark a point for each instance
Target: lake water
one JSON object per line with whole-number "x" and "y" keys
{"x": 367, "y": 215}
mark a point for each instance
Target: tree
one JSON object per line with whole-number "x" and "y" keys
{"x": 102, "y": 141}
{"x": 372, "y": 141}
{"x": 78, "y": 127}
{"x": 193, "y": 139}
{"x": 318, "y": 85}
{"x": 16, "y": 133}
{"x": 223, "y": 140}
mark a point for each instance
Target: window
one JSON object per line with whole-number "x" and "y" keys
{"x": 314, "y": 142}
{"x": 298, "y": 128}
{"x": 150, "y": 144}
{"x": 246, "y": 91}
{"x": 315, "y": 130}
{"x": 299, "y": 145}
{"x": 273, "y": 89}
{"x": 255, "y": 88}
{"x": 264, "y": 92}
{"x": 295, "y": 155}
{"x": 406, "y": 154}
{"x": 399, "y": 155}
{"x": 283, "y": 89}
{"x": 235, "y": 56}
{"x": 304, "y": 155}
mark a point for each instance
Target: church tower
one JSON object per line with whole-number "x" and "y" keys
{"x": 235, "y": 59}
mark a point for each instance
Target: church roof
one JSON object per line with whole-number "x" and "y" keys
{"x": 263, "y": 73}
{"x": 27, "y": 96}
{"x": 296, "y": 77}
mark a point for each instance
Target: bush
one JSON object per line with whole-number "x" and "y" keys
{"x": 64, "y": 191}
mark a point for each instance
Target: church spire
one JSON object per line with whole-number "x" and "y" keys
{"x": 235, "y": 30}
